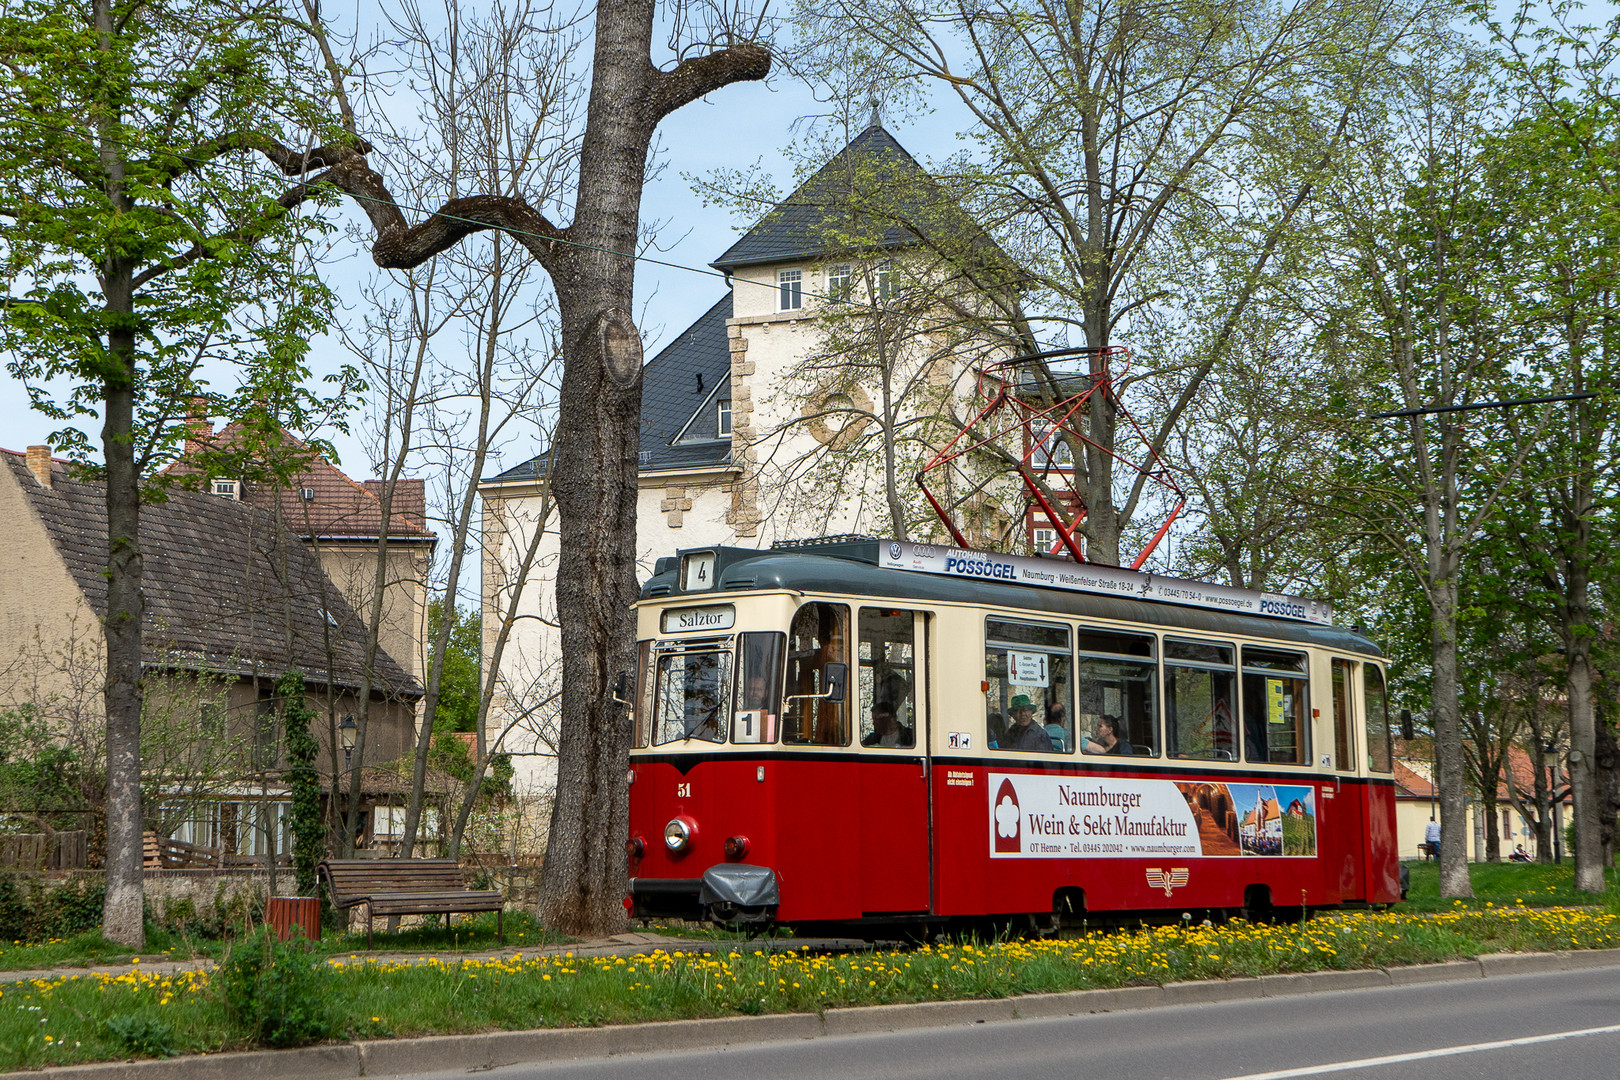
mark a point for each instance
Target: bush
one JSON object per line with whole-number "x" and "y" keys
{"x": 33, "y": 908}
{"x": 277, "y": 994}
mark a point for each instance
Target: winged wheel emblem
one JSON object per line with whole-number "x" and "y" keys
{"x": 1168, "y": 880}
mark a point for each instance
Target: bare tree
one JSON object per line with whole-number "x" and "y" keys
{"x": 591, "y": 265}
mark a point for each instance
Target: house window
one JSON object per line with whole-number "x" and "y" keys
{"x": 227, "y": 488}
{"x": 789, "y": 290}
{"x": 1045, "y": 540}
{"x": 840, "y": 283}
{"x": 1051, "y": 448}
{"x": 886, "y": 282}
{"x": 722, "y": 418}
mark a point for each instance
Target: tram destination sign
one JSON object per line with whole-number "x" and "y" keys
{"x": 1097, "y": 580}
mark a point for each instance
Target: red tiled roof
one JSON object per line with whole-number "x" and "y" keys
{"x": 1411, "y": 784}
{"x": 338, "y": 507}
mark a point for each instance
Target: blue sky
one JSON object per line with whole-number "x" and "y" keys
{"x": 732, "y": 129}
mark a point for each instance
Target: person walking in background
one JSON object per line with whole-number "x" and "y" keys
{"x": 1431, "y": 840}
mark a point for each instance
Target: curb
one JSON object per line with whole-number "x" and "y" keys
{"x": 404, "y": 1057}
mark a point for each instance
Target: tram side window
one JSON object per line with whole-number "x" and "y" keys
{"x": 1275, "y": 703}
{"x": 819, "y": 636}
{"x": 1116, "y": 684}
{"x": 1199, "y": 693}
{"x": 1380, "y": 754}
{"x": 692, "y": 696}
{"x": 1028, "y": 667}
{"x": 644, "y": 695}
{"x": 759, "y": 688}
{"x": 887, "y": 678}
{"x": 1343, "y": 756}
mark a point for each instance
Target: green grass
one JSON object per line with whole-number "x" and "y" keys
{"x": 1507, "y": 884}
{"x": 464, "y": 935}
{"x": 68, "y": 1019}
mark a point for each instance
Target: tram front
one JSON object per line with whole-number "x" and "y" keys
{"x": 706, "y": 785}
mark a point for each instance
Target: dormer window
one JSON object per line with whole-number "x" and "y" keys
{"x": 840, "y": 283}
{"x": 227, "y": 489}
{"x": 789, "y": 290}
{"x": 722, "y": 418}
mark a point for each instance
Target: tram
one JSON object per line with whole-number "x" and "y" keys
{"x": 875, "y": 733}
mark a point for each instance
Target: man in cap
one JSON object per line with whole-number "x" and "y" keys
{"x": 1023, "y": 733}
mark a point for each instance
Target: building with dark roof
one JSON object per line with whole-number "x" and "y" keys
{"x": 340, "y": 520}
{"x": 232, "y": 601}
{"x": 741, "y": 412}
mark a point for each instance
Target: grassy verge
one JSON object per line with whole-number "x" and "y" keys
{"x": 79, "y": 1018}
{"x": 463, "y": 935}
{"x": 1508, "y": 884}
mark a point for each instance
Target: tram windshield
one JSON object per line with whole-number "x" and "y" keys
{"x": 691, "y": 696}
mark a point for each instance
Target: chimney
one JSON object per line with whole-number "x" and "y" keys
{"x": 199, "y": 429}
{"x": 39, "y": 463}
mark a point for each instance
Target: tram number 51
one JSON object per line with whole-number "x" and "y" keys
{"x": 683, "y": 791}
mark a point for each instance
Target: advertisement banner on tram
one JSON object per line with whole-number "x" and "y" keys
{"x": 1068, "y": 817}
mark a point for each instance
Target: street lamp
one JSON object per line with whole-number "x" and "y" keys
{"x": 1549, "y": 758}
{"x": 346, "y": 737}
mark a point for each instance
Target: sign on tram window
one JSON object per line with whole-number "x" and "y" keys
{"x": 1277, "y": 702}
{"x": 1027, "y": 669}
{"x": 713, "y": 617}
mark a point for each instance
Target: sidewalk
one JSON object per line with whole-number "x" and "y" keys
{"x": 631, "y": 944}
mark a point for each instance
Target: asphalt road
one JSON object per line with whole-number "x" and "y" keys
{"x": 1564, "y": 1025}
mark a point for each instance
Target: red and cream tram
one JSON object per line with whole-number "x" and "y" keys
{"x": 877, "y": 732}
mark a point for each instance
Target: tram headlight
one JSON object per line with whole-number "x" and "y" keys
{"x": 677, "y": 836}
{"x": 736, "y": 847}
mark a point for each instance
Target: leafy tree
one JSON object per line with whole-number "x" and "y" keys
{"x": 140, "y": 246}
{"x": 1102, "y": 129}
{"x": 1420, "y": 240}
{"x": 1554, "y": 170}
{"x": 460, "y": 684}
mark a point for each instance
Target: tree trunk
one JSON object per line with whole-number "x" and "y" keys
{"x": 1452, "y": 781}
{"x": 1607, "y": 766}
{"x": 1582, "y": 769}
{"x": 586, "y": 877}
{"x": 123, "y": 911}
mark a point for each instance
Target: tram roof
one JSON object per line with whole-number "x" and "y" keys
{"x": 854, "y": 567}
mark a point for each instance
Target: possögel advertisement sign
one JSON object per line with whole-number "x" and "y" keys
{"x": 1101, "y": 580}
{"x": 1069, "y": 817}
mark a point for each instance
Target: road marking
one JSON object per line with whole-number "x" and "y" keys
{"x": 1421, "y": 1055}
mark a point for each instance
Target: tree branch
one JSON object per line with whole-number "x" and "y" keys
{"x": 691, "y": 79}
{"x": 290, "y": 162}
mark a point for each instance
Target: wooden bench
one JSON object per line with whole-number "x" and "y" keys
{"x": 407, "y": 887}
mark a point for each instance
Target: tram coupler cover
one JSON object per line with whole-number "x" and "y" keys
{"x": 741, "y": 885}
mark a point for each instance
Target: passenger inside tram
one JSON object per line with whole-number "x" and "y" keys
{"x": 1023, "y": 733}
{"x": 887, "y": 730}
{"x": 1107, "y": 737}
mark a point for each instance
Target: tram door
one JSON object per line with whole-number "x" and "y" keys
{"x": 1342, "y": 811}
{"x": 890, "y": 690}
